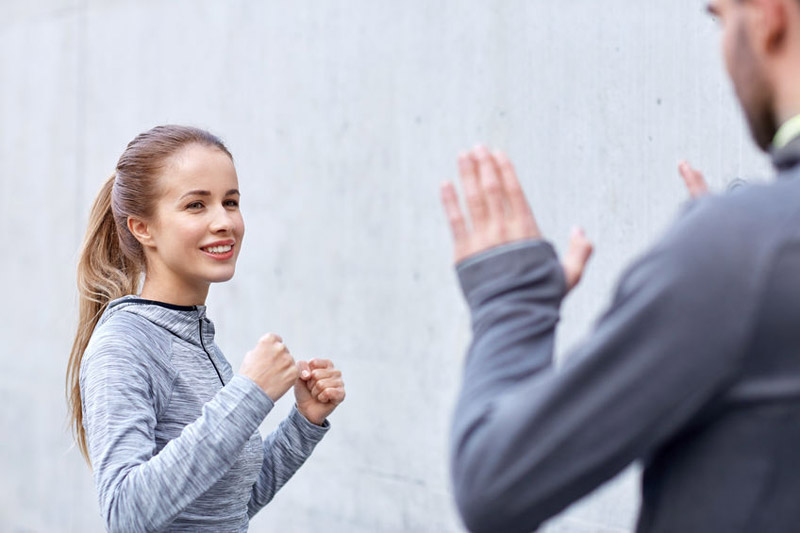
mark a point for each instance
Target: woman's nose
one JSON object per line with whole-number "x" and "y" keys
{"x": 221, "y": 221}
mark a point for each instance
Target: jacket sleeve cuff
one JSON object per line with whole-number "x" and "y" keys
{"x": 503, "y": 267}
{"x": 306, "y": 428}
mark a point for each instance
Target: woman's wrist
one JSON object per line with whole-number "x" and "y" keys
{"x": 317, "y": 421}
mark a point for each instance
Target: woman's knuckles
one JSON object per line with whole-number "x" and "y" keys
{"x": 269, "y": 338}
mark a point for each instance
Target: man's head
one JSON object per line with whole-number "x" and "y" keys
{"x": 761, "y": 45}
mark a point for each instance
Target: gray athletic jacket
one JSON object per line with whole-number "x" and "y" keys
{"x": 694, "y": 370}
{"x": 172, "y": 433}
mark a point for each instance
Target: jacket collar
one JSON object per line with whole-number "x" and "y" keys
{"x": 182, "y": 321}
{"x": 788, "y": 156}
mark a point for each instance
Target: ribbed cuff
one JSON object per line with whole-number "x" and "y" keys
{"x": 507, "y": 260}
{"x": 307, "y": 428}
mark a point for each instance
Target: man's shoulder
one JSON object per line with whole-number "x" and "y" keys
{"x": 746, "y": 220}
{"x": 727, "y": 238}
{"x": 757, "y": 201}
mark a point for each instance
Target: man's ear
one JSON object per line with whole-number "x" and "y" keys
{"x": 772, "y": 21}
{"x": 141, "y": 232}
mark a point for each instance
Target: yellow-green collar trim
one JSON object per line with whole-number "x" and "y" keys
{"x": 788, "y": 131}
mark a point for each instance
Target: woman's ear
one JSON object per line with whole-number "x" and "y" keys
{"x": 141, "y": 232}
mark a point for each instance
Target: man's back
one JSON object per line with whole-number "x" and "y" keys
{"x": 732, "y": 466}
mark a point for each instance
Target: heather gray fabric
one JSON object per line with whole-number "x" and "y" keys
{"x": 694, "y": 370}
{"x": 172, "y": 448}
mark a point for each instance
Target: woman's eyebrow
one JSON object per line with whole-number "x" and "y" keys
{"x": 195, "y": 193}
{"x": 207, "y": 193}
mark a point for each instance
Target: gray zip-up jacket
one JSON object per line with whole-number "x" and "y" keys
{"x": 694, "y": 369}
{"x": 172, "y": 433}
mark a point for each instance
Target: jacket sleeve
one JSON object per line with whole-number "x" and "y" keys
{"x": 139, "y": 490}
{"x": 285, "y": 450}
{"x": 526, "y": 440}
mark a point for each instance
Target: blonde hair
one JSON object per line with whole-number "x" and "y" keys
{"x": 111, "y": 261}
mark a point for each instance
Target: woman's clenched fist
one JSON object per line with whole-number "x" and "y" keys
{"x": 319, "y": 389}
{"x": 270, "y": 366}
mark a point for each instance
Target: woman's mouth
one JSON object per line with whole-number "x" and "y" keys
{"x": 219, "y": 253}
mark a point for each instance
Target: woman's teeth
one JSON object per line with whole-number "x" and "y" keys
{"x": 219, "y": 249}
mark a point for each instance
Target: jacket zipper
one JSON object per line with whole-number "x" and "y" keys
{"x": 203, "y": 344}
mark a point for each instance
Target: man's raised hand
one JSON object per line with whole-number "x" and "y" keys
{"x": 499, "y": 212}
{"x": 693, "y": 179}
{"x": 497, "y": 208}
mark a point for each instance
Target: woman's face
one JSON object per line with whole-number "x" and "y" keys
{"x": 197, "y": 229}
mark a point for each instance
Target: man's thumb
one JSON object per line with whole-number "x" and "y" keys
{"x": 578, "y": 254}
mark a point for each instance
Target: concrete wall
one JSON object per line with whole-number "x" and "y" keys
{"x": 343, "y": 116}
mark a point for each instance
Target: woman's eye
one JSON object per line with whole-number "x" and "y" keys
{"x": 232, "y": 203}
{"x": 195, "y": 205}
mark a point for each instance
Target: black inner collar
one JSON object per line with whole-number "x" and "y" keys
{"x": 162, "y": 304}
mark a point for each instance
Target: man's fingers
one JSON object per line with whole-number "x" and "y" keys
{"x": 454, "y": 215}
{"x": 694, "y": 180}
{"x": 493, "y": 189}
{"x": 497, "y": 211}
{"x": 518, "y": 204}
{"x": 476, "y": 203}
{"x": 578, "y": 254}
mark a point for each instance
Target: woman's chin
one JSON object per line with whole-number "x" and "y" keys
{"x": 221, "y": 277}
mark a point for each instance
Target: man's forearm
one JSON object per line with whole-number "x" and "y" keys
{"x": 514, "y": 293}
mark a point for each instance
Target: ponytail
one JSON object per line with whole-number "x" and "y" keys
{"x": 104, "y": 274}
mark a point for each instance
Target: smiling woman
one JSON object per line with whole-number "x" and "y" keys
{"x": 195, "y": 236}
{"x": 171, "y": 432}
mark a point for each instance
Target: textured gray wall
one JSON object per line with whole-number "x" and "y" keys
{"x": 343, "y": 116}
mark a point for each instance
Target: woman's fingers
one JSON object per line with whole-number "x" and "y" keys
{"x": 325, "y": 384}
{"x": 328, "y": 389}
{"x": 304, "y": 370}
{"x": 324, "y": 380}
{"x": 578, "y": 254}
{"x": 694, "y": 180}
{"x": 316, "y": 364}
{"x": 324, "y": 373}
{"x": 321, "y": 374}
{"x": 333, "y": 395}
